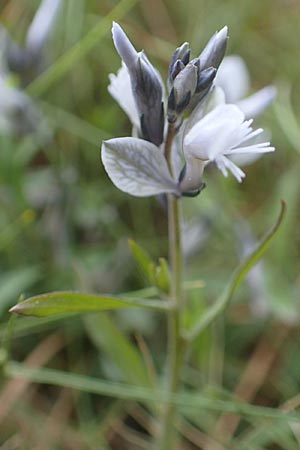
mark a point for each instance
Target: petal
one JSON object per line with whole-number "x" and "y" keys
{"x": 234, "y": 169}
{"x": 217, "y": 132}
{"x": 137, "y": 167}
{"x": 263, "y": 147}
{"x": 233, "y": 78}
{"x": 254, "y": 105}
{"x": 224, "y": 163}
{"x": 120, "y": 89}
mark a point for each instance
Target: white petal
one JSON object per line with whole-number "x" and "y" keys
{"x": 255, "y": 104}
{"x": 221, "y": 166}
{"x": 120, "y": 89}
{"x": 215, "y": 98}
{"x": 137, "y": 167}
{"x": 215, "y": 133}
{"x": 235, "y": 170}
{"x": 263, "y": 147}
{"x": 233, "y": 78}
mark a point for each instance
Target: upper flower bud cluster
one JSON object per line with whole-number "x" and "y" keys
{"x": 189, "y": 81}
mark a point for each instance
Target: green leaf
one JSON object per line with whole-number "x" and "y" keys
{"x": 76, "y": 302}
{"x": 162, "y": 276}
{"x": 211, "y": 313}
{"x": 156, "y": 275}
{"x": 142, "y": 258}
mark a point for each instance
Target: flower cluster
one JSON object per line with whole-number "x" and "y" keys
{"x": 18, "y": 113}
{"x": 202, "y": 119}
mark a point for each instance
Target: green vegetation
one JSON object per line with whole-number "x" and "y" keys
{"x": 94, "y": 380}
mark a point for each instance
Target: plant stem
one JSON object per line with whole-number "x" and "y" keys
{"x": 175, "y": 347}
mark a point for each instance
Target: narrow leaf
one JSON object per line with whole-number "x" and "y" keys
{"x": 185, "y": 400}
{"x": 137, "y": 167}
{"x": 75, "y": 302}
{"x": 239, "y": 275}
{"x": 162, "y": 275}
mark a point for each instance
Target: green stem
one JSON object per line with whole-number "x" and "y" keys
{"x": 167, "y": 437}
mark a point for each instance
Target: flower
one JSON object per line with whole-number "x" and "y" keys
{"x": 202, "y": 127}
{"x": 220, "y": 134}
{"x": 233, "y": 77}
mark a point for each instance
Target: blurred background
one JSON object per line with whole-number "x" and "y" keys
{"x": 63, "y": 225}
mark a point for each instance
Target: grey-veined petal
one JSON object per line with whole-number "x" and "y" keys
{"x": 42, "y": 25}
{"x": 254, "y": 105}
{"x": 137, "y": 167}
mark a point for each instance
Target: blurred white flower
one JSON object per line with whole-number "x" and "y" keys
{"x": 220, "y": 134}
{"x": 26, "y": 60}
{"x": 233, "y": 77}
{"x": 18, "y": 113}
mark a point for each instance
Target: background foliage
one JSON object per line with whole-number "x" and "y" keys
{"x": 63, "y": 225}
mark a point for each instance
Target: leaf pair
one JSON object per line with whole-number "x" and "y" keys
{"x": 156, "y": 274}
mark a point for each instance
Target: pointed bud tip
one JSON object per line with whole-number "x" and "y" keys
{"x": 14, "y": 309}
{"x": 223, "y": 33}
{"x": 123, "y": 45}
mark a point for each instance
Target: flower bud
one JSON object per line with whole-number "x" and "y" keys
{"x": 205, "y": 79}
{"x": 183, "y": 89}
{"x": 214, "y": 50}
{"x": 180, "y": 57}
{"x": 146, "y": 87}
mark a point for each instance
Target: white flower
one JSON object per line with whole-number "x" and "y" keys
{"x": 233, "y": 78}
{"x": 220, "y": 134}
{"x": 120, "y": 89}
